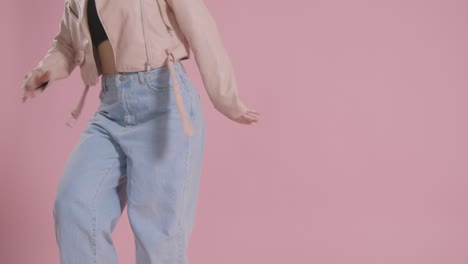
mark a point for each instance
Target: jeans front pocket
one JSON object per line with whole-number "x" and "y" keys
{"x": 158, "y": 81}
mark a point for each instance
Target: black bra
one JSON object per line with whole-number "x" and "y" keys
{"x": 98, "y": 34}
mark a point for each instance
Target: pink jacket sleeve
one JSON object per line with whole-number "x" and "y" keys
{"x": 200, "y": 29}
{"x": 59, "y": 59}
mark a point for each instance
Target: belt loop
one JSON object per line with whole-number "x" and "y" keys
{"x": 141, "y": 77}
{"x": 170, "y": 55}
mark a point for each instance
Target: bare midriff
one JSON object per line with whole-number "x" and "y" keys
{"x": 106, "y": 56}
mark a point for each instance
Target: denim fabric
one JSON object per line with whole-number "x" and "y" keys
{"x": 133, "y": 152}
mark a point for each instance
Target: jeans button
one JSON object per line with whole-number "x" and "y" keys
{"x": 122, "y": 77}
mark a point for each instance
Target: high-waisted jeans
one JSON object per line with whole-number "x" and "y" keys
{"x": 133, "y": 152}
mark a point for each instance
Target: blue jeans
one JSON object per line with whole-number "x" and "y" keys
{"x": 133, "y": 152}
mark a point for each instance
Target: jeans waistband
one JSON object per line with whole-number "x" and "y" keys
{"x": 177, "y": 64}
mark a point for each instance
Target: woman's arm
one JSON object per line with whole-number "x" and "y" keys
{"x": 216, "y": 70}
{"x": 59, "y": 59}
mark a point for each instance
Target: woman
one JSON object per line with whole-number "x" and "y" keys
{"x": 144, "y": 145}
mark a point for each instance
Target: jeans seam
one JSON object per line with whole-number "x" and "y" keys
{"x": 94, "y": 207}
{"x": 183, "y": 206}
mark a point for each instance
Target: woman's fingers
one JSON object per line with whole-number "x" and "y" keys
{"x": 253, "y": 111}
{"x": 241, "y": 120}
{"x": 33, "y": 82}
{"x": 244, "y": 120}
{"x": 27, "y": 94}
{"x": 26, "y": 88}
{"x": 250, "y": 117}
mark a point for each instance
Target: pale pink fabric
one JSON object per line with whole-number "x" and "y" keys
{"x": 144, "y": 39}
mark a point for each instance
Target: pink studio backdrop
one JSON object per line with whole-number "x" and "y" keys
{"x": 360, "y": 155}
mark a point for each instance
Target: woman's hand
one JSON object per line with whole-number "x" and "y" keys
{"x": 35, "y": 80}
{"x": 248, "y": 117}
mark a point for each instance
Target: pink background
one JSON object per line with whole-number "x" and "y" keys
{"x": 360, "y": 155}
